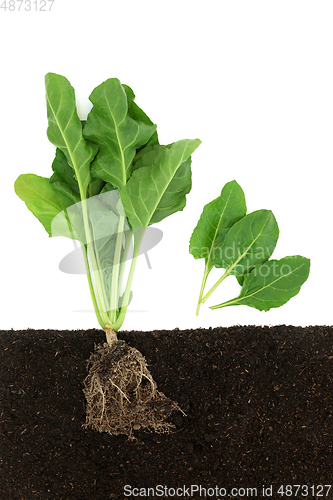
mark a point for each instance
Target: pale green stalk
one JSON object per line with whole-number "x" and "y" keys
{"x": 91, "y": 287}
{"x": 216, "y": 285}
{"x": 203, "y": 284}
{"x": 101, "y": 297}
{"x": 228, "y": 271}
{"x": 123, "y": 310}
{"x": 226, "y": 304}
{"x": 100, "y": 289}
{"x": 127, "y": 292}
{"x": 128, "y": 239}
{"x": 115, "y": 285}
{"x": 86, "y": 262}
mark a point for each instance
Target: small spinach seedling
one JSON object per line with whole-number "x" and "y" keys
{"x": 242, "y": 244}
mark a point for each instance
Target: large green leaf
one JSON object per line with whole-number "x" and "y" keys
{"x": 43, "y": 199}
{"x": 179, "y": 186}
{"x": 217, "y": 218}
{"x": 115, "y": 132}
{"x": 157, "y": 189}
{"x": 65, "y": 128}
{"x": 249, "y": 242}
{"x": 272, "y": 284}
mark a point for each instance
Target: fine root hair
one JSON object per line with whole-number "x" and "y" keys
{"x": 121, "y": 394}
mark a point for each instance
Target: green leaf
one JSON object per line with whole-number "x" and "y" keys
{"x": 43, "y": 199}
{"x": 63, "y": 173}
{"x": 107, "y": 187}
{"x": 249, "y": 242}
{"x": 157, "y": 189}
{"x": 65, "y": 128}
{"x": 138, "y": 114}
{"x": 95, "y": 186}
{"x": 272, "y": 284}
{"x": 180, "y": 185}
{"x": 147, "y": 156}
{"x": 217, "y": 218}
{"x": 115, "y": 132}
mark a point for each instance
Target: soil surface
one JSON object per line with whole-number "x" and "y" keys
{"x": 258, "y": 404}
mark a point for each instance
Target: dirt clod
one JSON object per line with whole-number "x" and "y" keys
{"x": 121, "y": 394}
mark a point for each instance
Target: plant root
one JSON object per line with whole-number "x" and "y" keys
{"x": 121, "y": 394}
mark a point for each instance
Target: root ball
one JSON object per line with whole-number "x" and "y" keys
{"x": 121, "y": 394}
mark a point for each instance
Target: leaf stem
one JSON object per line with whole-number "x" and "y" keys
{"x": 123, "y": 309}
{"x": 232, "y": 302}
{"x": 115, "y": 285}
{"x": 208, "y": 294}
{"x": 227, "y": 272}
{"x": 203, "y": 284}
{"x": 128, "y": 238}
{"x": 127, "y": 292}
{"x": 100, "y": 292}
{"x": 86, "y": 262}
{"x": 91, "y": 287}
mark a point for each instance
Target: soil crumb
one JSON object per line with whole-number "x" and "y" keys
{"x": 121, "y": 394}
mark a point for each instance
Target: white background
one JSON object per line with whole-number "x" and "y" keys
{"x": 252, "y": 79}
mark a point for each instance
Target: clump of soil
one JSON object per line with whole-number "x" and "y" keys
{"x": 121, "y": 394}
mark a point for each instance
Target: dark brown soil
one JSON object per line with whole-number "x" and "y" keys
{"x": 259, "y": 406}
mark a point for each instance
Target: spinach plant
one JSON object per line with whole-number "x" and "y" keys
{"x": 242, "y": 244}
{"x": 111, "y": 180}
